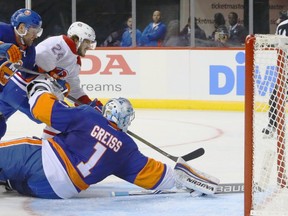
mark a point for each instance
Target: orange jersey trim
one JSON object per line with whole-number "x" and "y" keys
{"x": 21, "y": 141}
{"x": 44, "y": 105}
{"x": 150, "y": 175}
{"x": 72, "y": 172}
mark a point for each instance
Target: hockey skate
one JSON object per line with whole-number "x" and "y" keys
{"x": 268, "y": 132}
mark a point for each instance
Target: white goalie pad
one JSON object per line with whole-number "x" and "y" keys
{"x": 194, "y": 179}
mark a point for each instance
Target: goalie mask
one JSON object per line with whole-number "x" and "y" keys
{"x": 83, "y": 31}
{"x": 119, "y": 111}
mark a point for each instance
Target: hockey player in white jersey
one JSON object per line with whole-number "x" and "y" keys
{"x": 60, "y": 56}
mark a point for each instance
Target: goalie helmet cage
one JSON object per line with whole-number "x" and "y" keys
{"x": 266, "y": 74}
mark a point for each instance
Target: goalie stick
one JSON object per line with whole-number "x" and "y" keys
{"x": 221, "y": 189}
{"x": 227, "y": 188}
{"x": 190, "y": 156}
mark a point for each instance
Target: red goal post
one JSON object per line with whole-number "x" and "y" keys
{"x": 266, "y": 65}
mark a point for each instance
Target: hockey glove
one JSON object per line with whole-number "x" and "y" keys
{"x": 96, "y": 104}
{"x": 11, "y": 51}
{"x": 194, "y": 179}
{"x": 58, "y": 73}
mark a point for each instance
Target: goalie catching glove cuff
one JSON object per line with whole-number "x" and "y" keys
{"x": 194, "y": 179}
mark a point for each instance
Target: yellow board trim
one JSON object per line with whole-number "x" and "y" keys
{"x": 184, "y": 104}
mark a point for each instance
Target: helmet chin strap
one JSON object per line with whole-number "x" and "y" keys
{"x": 21, "y": 35}
{"x": 79, "y": 44}
{"x": 79, "y": 52}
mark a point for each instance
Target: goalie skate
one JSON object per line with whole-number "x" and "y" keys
{"x": 194, "y": 179}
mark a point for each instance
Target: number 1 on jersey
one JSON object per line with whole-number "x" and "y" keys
{"x": 84, "y": 168}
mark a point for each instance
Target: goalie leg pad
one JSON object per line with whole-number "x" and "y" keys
{"x": 194, "y": 179}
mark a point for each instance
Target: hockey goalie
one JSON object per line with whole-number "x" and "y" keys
{"x": 91, "y": 147}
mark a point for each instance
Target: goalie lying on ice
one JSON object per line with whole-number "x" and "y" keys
{"x": 92, "y": 146}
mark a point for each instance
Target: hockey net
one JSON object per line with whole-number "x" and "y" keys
{"x": 266, "y": 191}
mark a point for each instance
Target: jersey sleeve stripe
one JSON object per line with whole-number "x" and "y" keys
{"x": 44, "y": 104}
{"x": 151, "y": 174}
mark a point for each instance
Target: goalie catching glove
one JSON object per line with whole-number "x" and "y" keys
{"x": 194, "y": 179}
{"x": 41, "y": 83}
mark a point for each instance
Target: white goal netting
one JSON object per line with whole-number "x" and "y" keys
{"x": 269, "y": 172}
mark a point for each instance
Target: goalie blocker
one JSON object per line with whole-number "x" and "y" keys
{"x": 194, "y": 179}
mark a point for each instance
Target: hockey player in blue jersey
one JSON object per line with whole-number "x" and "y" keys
{"x": 91, "y": 147}
{"x": 16, "y": 47}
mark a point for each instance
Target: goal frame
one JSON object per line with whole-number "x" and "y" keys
{"x": 248, "y": 132}
{"x": 249, "y": 119}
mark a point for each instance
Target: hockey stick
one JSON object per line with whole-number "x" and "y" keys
{"x": 26, "y": 70}
{"x": 228, "y": 188}
{"x": 222, "y": 189}
{"x": 190, "y": 156}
